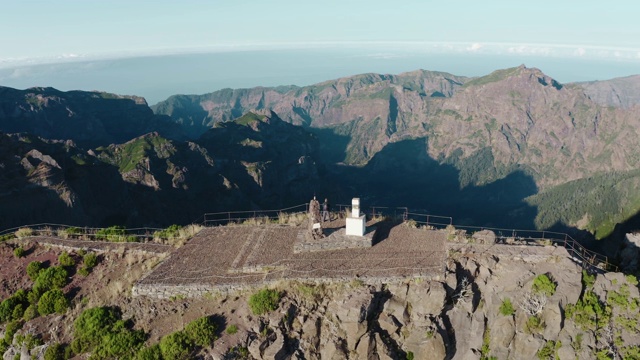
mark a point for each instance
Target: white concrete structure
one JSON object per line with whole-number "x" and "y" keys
{"x": 356, "y": 222}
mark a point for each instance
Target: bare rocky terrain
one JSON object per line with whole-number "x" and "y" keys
{"x": 455, "y": 308}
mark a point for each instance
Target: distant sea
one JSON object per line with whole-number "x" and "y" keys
{"x": 158, "y": 77}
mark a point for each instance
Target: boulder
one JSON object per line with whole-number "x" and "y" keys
{"x": 484, "y": 237}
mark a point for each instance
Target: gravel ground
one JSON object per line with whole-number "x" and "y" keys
{"x": 251, "y": 254}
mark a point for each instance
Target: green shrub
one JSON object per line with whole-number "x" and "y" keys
{"x": 17, "y": 312}
{"x": 84, "y": 271}
{"x": 6, "y": 237}
{"x": 57, "y": 352}
{"x": 19, "y": 252}
{"x": 621, "y": 298}
{"x": 543, "y": 284}
{"x": 149, "y": 353}
{"x": 631, "y": 279}
{"x": 231, "y": 329}
{"x": 54, "y": 277}
{"x": 549, "y": 350}
{"x": 172, "y": 231}
{"x": 264, "y": 301}
{"x": 30, "y": 313}
{"x": 534, "y": 324}
{"x": 90, "y": 260}
{"x": 410, "y": 355}
{"x": 53, "y": 301}
{"x": 24, "y": 232}
{"x": 588, "y": 280}
{"x": 589, "y": 312}
{"x": 33, "y": 269}
{"x": 202, "y": 332}
{"x": 66, "y": 260}
{"x": 176, "y": 346}
{"x": 7, "y": 306}
{"x": 119, "y": 343}
{"x": 29, "y": 341}
{"x": 72, "y": 231}
{"x": 113, "y": 233}
{"x": 506, "y": 308}
{"x": 102, "y": 331}
{"x": 91, "y": 325}
{"x": 11, "y": 330}
{"x": 3, "y": 346}
{"x": 576, "y": 344}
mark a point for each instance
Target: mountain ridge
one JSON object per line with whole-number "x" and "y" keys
{"x": 452, "y": 145}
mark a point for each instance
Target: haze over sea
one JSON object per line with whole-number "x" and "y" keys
{"x": 158, "y": 77}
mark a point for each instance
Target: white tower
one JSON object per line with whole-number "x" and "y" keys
{"x": 356, "y": 222}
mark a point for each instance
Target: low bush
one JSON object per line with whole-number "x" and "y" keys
{"x": 113, "y": 233}
{"x": 102, "y": 331}
{"x": 57, "y": 352}
{"x": 30, "y": 313}
{"x": 123, "y": 343}
{"x": 19, "y": 252}
{"x": 11, "y": 330}
{"x": 264, "y": 301}
{"x": 55, "y": 277}
{"x": 588, "y": 279}
{"x": 589, "y": 312}
{"x": 24, "y": 232}
{"x": 231, "y": 329}
{"x": 202, "y": 332}
{"x": 631, "y": 279}
{"x": 90, "y": 260}
{"x": 177, "y": 346}
{"x": 506, "y": 308}
{"x": 149, "y": 353}
{"x": 6, "y": 237}
{"x": 29, "y": 341}
{"x": 534, "y": 324}
{"x": 549, "y": 350}
{"x": 171, "y": 232}
{"x": 33, "y": 269}
{"x": 84, "y": 271}
{"x": 66, "y": 260}
{"x": 53, "y": 301}
{"x": 18, "y": 312}
{"x": 543, "y": 284}
{"x": 8, "y": 305}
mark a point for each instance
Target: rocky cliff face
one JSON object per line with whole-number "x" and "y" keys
{"x": 491, "y": 301}
{"x": 477, "y": 133}
{"x": 489, "y": 304}
{"x": 90, "y": 119}
{"x": 237, "y": 165}
{"x": 620, "y": 92}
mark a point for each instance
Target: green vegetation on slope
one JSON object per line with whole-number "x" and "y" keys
{"x": 127, "y": 156}
{"x": 249, "y": 118}
{"x": 599, "y": 201}
{"x": 493, "y": 77}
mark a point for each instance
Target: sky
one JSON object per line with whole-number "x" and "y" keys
{"x": 73, "y": 28}
{"x": 90, "y": 32}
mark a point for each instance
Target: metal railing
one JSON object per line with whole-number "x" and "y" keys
{"x": 376, "y": 211}
{"x": 227, "y": 217}
{"x": 113, "y": 234}
{"x": 587, "y": 258}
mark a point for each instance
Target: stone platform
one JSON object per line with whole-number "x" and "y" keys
{"x": 228, "y": 258}
{"x": 335, "y": 240}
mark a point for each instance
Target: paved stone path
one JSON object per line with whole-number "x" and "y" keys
{"x": 233, "y": 256}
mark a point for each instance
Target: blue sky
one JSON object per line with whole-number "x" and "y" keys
{"x": 50, "y": 31}
{"x": 159, "y": 48}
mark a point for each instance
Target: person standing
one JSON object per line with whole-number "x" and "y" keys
{"x": 325, "y": 211}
